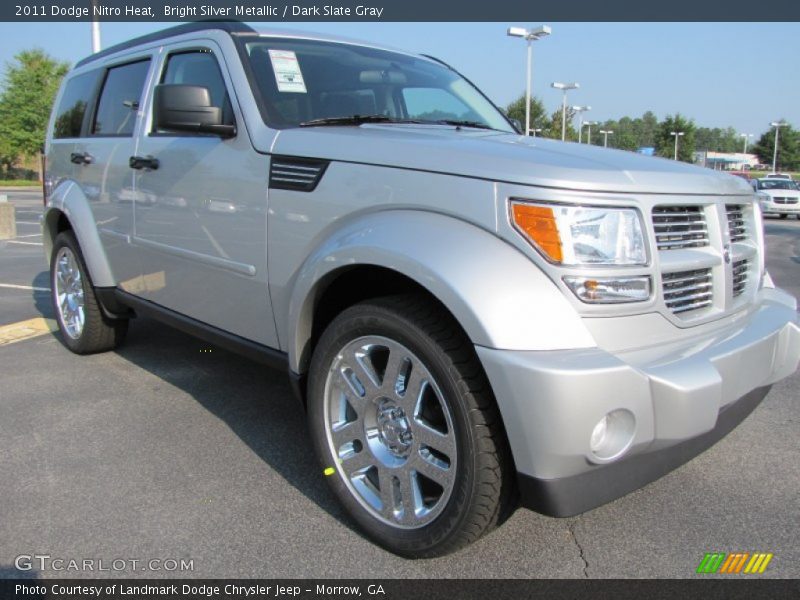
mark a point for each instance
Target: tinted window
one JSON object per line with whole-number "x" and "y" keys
{"x": 304, "y": 80}
{"x": 74, "y": 101}
{"x": 200, "y": 68}
{"x": 119, "y": 100}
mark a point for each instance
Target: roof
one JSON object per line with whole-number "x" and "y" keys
{"x": 230, "y": 27}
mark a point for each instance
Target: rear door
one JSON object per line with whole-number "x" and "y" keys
{"x": 202, "y": 238}
{"x": 103, "y": 172}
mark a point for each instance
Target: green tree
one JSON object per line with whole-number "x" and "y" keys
{"x": 788, "y": 148}
{"x": 646, "y": 129}
{"x": 516, "y": 110}
{"x": 665, "y": 141}
{"x": 718, "y": 140}
{"x": 29, "y": 88}
{"x": 552, "y": 128}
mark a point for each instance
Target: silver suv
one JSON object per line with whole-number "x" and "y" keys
{"x": 470, "y": 316}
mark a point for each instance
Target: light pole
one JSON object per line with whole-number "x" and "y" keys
{"x": 95, "y": 30}
{"x": 589, "y": 130}
{"x": 777, "y": 125}
{"x": 564, "y": 87}
{"x": 606, "y": 133}
{"x": 580, "y": 110}
{"x": 745, "y": 136}
{"x": 530, "y": 36}
{"x": 677, "y": 134}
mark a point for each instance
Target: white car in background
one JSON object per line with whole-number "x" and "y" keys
{"x": 778, "y": 196}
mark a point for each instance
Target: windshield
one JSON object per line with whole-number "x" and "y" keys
{"x": 776, "y": 184}
{"x": 303, "y": 81}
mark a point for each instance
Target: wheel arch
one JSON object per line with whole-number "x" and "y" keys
{"x": 497, "y": 295}
{"x": 68, "y": 208}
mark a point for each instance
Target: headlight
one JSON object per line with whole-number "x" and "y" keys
{"x": 580, "y": 235}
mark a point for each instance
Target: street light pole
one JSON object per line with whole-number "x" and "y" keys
{"x": 580, "y": 110}
{"x": 564, "y": 87}
{"x": 745, "y": 136}
{"x": 777, "y": 125}
{"x": 589, "y": 130}
{"x": 95, "y": 30}
{"x": 606, "y": 133}
{"x": 530, "y": 36}
{"x": 677, "y": 134}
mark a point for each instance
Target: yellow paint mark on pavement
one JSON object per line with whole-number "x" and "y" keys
{"x": 25, "y": 330}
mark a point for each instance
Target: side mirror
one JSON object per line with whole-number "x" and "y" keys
{"x": 188, "y": 108}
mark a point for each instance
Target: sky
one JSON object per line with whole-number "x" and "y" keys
{"x": 740, "y": 75}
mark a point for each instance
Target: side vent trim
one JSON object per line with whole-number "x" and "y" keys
{"x": 296, "y": 173}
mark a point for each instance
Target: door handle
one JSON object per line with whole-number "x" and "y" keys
{"x": 81, "y": 158}
{"x": 143, "y": 162}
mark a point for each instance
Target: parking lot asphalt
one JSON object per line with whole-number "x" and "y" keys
{"x": 171, "y": 449}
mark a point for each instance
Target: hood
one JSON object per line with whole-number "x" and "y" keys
{"x": 505, "y": 157}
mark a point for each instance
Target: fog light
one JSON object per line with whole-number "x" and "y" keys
{"x": 613, "y": 434}
{"x": 609, "y": 290}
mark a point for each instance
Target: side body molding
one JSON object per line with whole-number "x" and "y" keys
{"x": 500, "y": 298}
{"x": 69, "y": 199}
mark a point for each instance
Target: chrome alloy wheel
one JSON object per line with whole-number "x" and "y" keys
{"x": 68, "y": 287}
{"x": 391, "y": 431}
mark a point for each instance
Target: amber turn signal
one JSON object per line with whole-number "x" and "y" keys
{"x": 538, "y": 223}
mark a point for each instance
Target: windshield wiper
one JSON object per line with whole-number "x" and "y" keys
{"x": 459, "y": 123}
{"x": 354, "y": 120}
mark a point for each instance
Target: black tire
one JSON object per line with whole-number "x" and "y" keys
{"x": 784, "y": 215}
{"x": 482, "y": 492}
{"x": 98, "y": 333}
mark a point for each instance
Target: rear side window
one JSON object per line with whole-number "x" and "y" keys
{"x": 199, "y": 67}
{"x": 74, "y": 104}
{"x": 119, "y": 100}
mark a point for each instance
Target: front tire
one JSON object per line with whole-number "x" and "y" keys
{"x": 405, "y": 425}
{"x": 84, "y": 329}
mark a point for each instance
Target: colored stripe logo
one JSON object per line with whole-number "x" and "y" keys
{"x": 735, "y": 562}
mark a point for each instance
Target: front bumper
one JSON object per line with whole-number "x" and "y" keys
{"x": 683, "y": 397}
{"x": 773, "y": 208}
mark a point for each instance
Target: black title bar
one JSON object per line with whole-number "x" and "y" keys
{"x": 399, "y": 10}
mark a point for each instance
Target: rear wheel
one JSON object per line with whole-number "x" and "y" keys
{"x": 84, "y": 328}
{"x": 784, "y": 215}
{"x": 406, "y": 427}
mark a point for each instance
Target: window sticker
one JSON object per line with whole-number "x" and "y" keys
{"x": 287, "y": 71}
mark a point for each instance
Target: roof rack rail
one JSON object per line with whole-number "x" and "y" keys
{"x": 228, "y": 26}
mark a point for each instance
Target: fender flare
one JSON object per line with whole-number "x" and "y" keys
{"x": 498, "y": 295}
{"x": 68, "y": 199}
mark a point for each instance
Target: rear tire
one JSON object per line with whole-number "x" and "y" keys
{"x": 784, "y": 215}
{"x": 83, "y": 326}
{"x": 406, "y": 427}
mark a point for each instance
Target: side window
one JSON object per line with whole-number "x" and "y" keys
{"x": 199, "y": 67}
{"x": 434, "y": 104}
{"x": 119, "y": 100}
{"x": 74, "y": 102}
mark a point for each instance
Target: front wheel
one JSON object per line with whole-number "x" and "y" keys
{"x": 84, "y": 328}
{"x": 406, "y": 427}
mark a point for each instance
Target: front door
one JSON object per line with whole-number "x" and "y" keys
{"x": 202, "y": 233}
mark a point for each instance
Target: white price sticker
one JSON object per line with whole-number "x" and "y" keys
{"x": 287, "y": 71}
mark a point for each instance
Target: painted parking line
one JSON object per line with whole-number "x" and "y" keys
{"x": 24, "y": 243}
{"x": 28, "y": 223}
{"x": 25, "y": 330}
{"x": 27, "y": 235}
{"x": 29, "y": 288}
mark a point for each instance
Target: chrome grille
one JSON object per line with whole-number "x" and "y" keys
{"x": 680, "y": 227}
{"x": 782, "y": 200}
{"x": 687, "y": 290}
{"x": 740, "y": 268}
{"x": 736, "y": 226}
